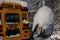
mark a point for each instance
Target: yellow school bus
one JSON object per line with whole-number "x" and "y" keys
{"x": 14, "y": 22}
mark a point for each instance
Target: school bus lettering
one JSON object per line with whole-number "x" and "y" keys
{"x": 11, "y": 6}
{"x": 17, "y": 7}
{"x": 7, "y": 6}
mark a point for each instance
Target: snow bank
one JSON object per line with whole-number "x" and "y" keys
{"x": 43, "y": 17}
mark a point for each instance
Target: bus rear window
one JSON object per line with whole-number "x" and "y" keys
{"x": 23, "y": 16}
{"x": 12, "y": 17}
{"x": 24, "y": 9}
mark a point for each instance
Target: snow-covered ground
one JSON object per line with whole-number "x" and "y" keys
{"x": 1, "y": 38}
{"x": 43, "y": 17}
{"x": 55, "y": 36}
{"x": 52, "y": 37}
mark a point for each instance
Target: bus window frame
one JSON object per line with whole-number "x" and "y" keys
{"x": 24, "y": 15}
{"x": 14, "y": 16}
{"x": 25, "y": 12}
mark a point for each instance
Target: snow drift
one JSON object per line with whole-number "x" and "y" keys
{"x": 43, "y": 17}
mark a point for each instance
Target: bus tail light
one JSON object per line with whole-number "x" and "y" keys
{"x": 24, "y": 8}
{"x": 26, "y": 25}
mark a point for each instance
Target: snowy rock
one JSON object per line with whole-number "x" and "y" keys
{"x": 43, "y": 17}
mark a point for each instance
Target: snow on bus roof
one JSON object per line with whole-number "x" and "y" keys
{"x": 23, "y": 3}
{"x": 1, "y": 1}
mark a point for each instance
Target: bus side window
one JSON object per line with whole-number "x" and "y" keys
{"x": 23, "y": 16}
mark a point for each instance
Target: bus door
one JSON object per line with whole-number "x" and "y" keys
{"x": 12, "y": 20}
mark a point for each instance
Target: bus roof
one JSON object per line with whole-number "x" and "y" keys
{"x": 23, "y": 3}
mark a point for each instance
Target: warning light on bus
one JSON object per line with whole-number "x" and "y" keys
{"x": 24, "y": 8}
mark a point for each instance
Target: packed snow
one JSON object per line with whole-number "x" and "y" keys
{"x": 23, "y": 3}
{"x": 13, "y": 36}
{"x": 25, "y": 21}
{"x": 43, "y": 17}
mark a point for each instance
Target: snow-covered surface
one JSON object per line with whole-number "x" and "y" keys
{"x": 55, "y": 35}
{"x": 23, "y": 3}
{"x": 12, "y": 23}
{"x": 13, "y": 36}
{"x": 25, "y": 21}
{"x": 43, "y": 17}
{"x": 1, "y": 38}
